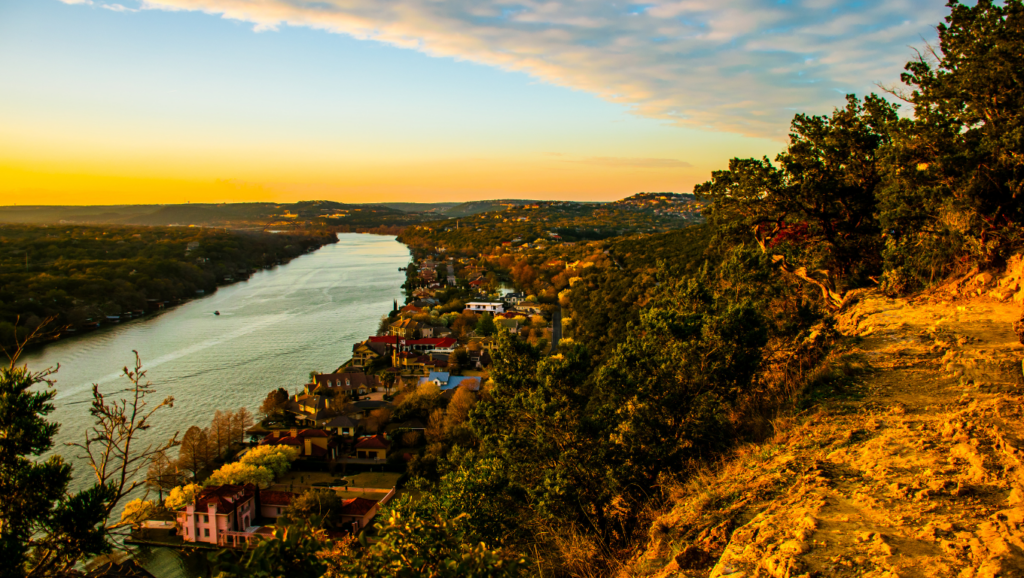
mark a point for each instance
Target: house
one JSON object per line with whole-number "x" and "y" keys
{"x": 480, "y": 359}
{"x": 273, "y": 504}
{"x": 410, "y": 310}
{"x": 429, "y": 331}
{"x": 447, "y": 382}
{"x": 485, "y": 307}
{"x": 311, "y": 443}
{"x": 476, "y": 283}
{"x": 308, "y": 409}
{"x": 359, "y": 511}
{"x": 409, "y": 361}
{"x": 514, "y": 298}
{"x": 468, "y": 383}
{"x": 365, "y": 353}
{"x": 433, "y": 345}
{"x": 345, "y": 382}
{"x": 342, "y": 425}
{"x": 406, "y": 328}
{"x": 372, "y": 448}
{"x": 511, "y": 325}
{"x": 218, "y": 510}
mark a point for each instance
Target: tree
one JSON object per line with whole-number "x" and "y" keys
{"x": 667, "y": 388}
{"x": 384, "y": 327}
{"x": 163, "y": 473}
{"x": 292, "y": 551}
{"x": 194, "y": 454}
{"x": 814, "y": 213}
{"x": 182, "y": 496}
{"x": 318, "y": 508}
{"x": 955, "y": 172}
{"x": 241, "y": 421}
{"x": 273, "y": 404}
{"x": 485, "y": 325}
{"x": 138, "y": 511}
{"x": 220, "y": 432}
{"x": 241, "y": 473}
{"x": 412, "y": 545}
{"x": 112, "y": 446}
{"x": 44, "y": 529}
{"x": 277, "y": 459}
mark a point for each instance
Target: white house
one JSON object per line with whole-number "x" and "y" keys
{"x": 485, "y": 307}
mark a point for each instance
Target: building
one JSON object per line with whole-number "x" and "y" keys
{"x": 432, "y": 345}
{"x": 273, "y": 504}
{"x": 406, "y": 328}
{"x": 311, "y": 443}
{"x": 485, "y": 307}
{"x": 365, "y": 353}
{"x": 345, "y": 382}
{"x": 372, "y": 448}
{"x": 359, "y": 511}
{"x": 342, "y": 425}
{"x": 217, "y": 512}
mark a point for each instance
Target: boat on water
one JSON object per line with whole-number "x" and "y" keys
{"x": 216, "y": 312}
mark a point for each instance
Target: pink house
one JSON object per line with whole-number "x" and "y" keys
{"x": 219, "y": 512}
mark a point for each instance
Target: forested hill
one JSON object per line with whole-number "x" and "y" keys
{"x": 80, "y": 275}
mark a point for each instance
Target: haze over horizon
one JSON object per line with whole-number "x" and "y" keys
{"x": 170, "y": 101}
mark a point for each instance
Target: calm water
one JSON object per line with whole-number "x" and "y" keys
{"x": 271, "y": 332}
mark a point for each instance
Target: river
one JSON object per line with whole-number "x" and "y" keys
{"x": 273, "y": 329}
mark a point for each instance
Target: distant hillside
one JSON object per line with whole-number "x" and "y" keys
{"x": 87, "y": 214}
{"x": 417, "y": 207}
{"x": 476, "y": 207}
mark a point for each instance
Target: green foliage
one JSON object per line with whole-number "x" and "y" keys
{"x": 292, "y": 552}
{"x": 479, "y": 488}
{"x": 816, "y": 208}
{"x": 314, "y": 508}
{"x": 138, "y": 511}
{"x": 954, "y": 174}
{"x": 665, "y": 390}
{"x": 485, "y": 325}
{"x": 182, "y": 496}
{"x": 240, "y": 473}
{"x": 44, "y": 528}
{"x": 411, "y": 546}
{"x": 81, "y": 274}
{"x": 277, "y": 459}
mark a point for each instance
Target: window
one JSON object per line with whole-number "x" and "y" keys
{"x": 206, "y": 532}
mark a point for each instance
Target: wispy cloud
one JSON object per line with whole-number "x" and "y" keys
{"x": 86, "y": 2}
{"x": 735, "y": 65}
{"x": 119, "y": 8}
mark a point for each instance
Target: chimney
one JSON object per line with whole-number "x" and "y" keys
{"x": 295, "y": 432}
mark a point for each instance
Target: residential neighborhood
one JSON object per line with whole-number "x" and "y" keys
{"x": 354, "y": 429}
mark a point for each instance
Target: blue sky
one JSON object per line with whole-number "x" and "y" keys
{"x": 168, "y": 100}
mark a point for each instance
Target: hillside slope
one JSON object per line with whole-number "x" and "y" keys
{"x": 908, "y": 464}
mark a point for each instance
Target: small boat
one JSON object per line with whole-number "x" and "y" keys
{"x": 216, "y": 312}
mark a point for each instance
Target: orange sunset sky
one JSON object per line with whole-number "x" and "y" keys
{"x": 168, "y": 101}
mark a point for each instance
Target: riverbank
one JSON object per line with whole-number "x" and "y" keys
{"x": 58, "y": 281}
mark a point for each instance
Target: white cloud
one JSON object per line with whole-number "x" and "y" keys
{"x": 735, "y": 65}
{"x": 119, "y": 8}
{"x": 85, "y": 2}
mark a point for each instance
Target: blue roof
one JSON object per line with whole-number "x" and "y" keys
{"x": 454, "y": 382}
{"x": 441, "y": 376}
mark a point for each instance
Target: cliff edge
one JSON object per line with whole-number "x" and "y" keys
{"x": 907, "y": 463}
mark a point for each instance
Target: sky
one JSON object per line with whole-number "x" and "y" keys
{"x": 172, "y": 101}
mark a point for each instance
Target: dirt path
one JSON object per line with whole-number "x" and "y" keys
{"x": 919, "y": 475}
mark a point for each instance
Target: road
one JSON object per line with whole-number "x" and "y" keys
{"x": 556, "y": 329}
